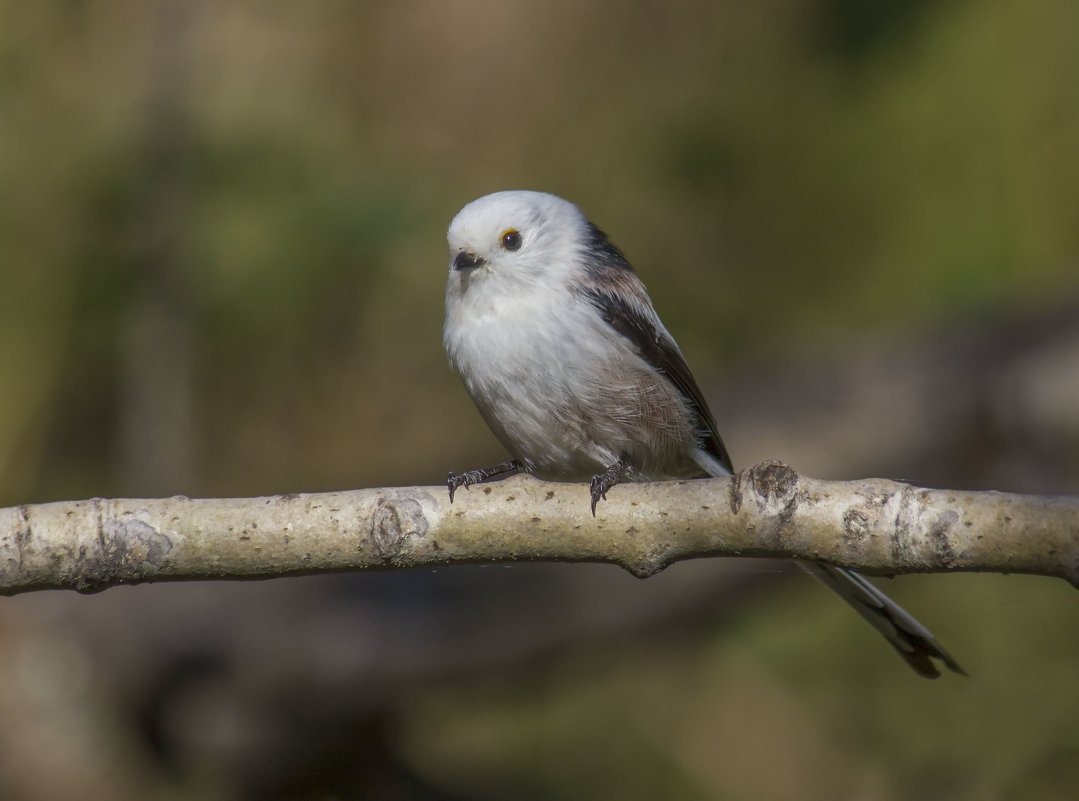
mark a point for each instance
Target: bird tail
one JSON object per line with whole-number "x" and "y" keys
{"x": 910, "y": 638}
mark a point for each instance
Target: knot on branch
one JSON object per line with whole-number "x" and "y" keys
{"x": 774, "y": 489}
{"x": 774, "y": 484}
{"x": 129, "y": 550}
{"x": 394, "y": 521}
{"x": 775, "y": 481}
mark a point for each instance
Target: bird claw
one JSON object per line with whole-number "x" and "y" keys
{"x": 602, "y": 482}
{"x": 455, "y": 481}
{"x": 598, "y": 491}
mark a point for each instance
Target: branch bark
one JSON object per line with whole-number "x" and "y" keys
{"x": 876, "y": 526}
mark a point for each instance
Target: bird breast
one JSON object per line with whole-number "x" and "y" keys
{"x": 563, "y": 391}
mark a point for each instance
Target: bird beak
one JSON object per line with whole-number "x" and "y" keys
{"x": 467, "y": 261}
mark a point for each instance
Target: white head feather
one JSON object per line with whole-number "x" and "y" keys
{"x": 551, "y": 229}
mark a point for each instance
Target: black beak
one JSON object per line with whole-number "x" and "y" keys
{"x": 467, "y": 261}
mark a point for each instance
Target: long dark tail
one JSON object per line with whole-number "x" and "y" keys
{"x": 910, "y": 638}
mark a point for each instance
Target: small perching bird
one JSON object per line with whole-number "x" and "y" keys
{"x": 560, "y": 348}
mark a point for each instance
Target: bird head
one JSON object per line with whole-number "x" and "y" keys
{"x": 516, "y": 237}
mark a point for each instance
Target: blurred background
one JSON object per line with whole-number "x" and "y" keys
{"x": 222, "y": 262}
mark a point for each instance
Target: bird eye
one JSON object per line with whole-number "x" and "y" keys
{"x": 511, "y": 239}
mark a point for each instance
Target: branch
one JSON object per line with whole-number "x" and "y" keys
{"x": 877, "y": 526}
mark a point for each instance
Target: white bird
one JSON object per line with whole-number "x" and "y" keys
{"x": 560, "y": 348}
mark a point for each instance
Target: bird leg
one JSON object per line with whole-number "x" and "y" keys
{"x": 601, "y": 482}
{"x": 466, "y": 480}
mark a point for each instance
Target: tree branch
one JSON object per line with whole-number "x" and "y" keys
{"x": 877, "y": 526}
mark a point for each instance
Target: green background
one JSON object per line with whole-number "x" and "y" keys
{"x": 222, "y": 261}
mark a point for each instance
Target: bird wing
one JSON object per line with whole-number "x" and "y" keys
{"x": 623, "y": 303}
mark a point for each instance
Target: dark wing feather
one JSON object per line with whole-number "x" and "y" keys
{"x": 653, "y": 343}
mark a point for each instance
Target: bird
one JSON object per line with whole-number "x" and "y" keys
{"x": 559, "y": 346}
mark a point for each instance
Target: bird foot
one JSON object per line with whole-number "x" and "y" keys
{"x": 601, "y": 482}
{"x": 457, "y": 480}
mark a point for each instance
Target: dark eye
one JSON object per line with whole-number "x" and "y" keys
{"x": 511, "y": 239}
